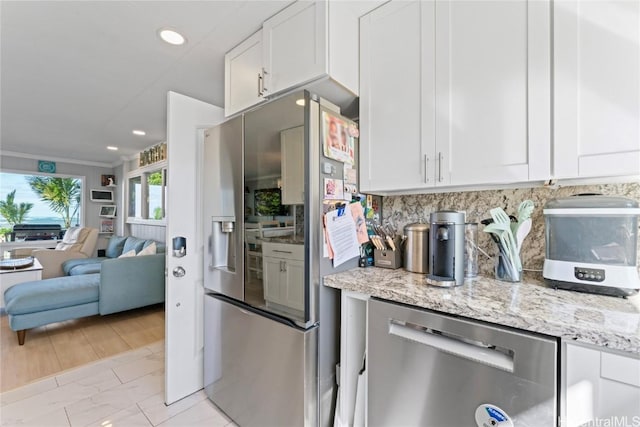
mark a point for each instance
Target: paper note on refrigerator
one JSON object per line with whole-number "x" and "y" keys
{"x": 341, "y": 231}
{"x": 358, "y": 219}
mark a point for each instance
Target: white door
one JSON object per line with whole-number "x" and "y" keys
{"x": 599, "y": 385}
{"x": 187, "y": 118}
{"x": 596, "y": 47}
{"x": 272, "y": 276}
{"x": 293, "y": 279}
{"x": 243, "y": 75}
{"x": 294, "y": 44}
{"x": 492, "y": 75}
{"x": 396, "y": 97}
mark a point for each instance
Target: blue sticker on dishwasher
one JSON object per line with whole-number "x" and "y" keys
{"x": 494, "y": 413}
{"x": 488, "y": 415}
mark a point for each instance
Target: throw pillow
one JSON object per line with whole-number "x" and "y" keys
{"x": 72, "y": 235}
{"x": 72, "y": 247}
{"x": 149, "y": 250}
{"x": 133, "y": 243}
{"x": 73, "y": 239}
{"x": 114, "y": 248}
{"x": 130, "y": 253}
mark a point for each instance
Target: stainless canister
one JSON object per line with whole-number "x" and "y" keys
{"x": 416, "y": 248}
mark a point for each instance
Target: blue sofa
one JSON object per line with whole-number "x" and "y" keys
{"x": 91, "y": 286}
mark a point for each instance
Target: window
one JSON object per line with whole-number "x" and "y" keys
{"x": 157, "y": 194}
{"x": 39, "y": 199}
{"x": 147, "y": 195}
{"x": 135, "y": 197}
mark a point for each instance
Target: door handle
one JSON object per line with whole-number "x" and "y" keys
{"x": 264, "y": 74}
{"x": 426, "y": 169}
{"x": 179, "y": 272}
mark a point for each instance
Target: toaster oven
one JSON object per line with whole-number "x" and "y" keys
{"x": 592, "y": 244}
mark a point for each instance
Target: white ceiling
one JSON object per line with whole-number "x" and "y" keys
{"x": 77, "y": 76}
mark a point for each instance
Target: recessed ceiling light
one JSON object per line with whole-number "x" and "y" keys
{"x": 139, "y": 132}
{"x": 171, "y": 36}
{"x": 300, "y": 102}
{"x": 112, "y": 148}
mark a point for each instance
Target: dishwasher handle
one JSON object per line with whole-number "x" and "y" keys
{"x": 480, "y": 354}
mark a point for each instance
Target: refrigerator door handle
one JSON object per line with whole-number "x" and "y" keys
{"x": 248, "y": 313}
{"x": 253, "y": 310}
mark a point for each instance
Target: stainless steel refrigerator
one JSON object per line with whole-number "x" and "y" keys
{"x": 271, "y": 328}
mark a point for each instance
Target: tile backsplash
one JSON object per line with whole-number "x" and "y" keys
{"x": 414, "y": 208}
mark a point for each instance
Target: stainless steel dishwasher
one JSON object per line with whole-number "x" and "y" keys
{"x": 428, "y": 369}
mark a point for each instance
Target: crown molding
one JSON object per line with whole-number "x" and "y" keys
{"x": 59, "y": 159}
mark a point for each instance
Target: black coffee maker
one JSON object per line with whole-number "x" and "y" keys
{"x": 446, "y": 249}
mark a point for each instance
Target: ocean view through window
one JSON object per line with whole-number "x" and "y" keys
{"x": 39, "y": 199}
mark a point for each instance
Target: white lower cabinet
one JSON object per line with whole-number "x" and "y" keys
{"x": 599, "y": 387}
{"x": 283, "y": 275}
{"x": 596, "y": 88}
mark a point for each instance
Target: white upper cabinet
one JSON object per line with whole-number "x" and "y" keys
{"x": 596, "y": 88}
{"x": 397, "y": 97}
{"x": 243, "y": 84}
{"x": 310, "y": 43}
{"x": 492, "y": 92}
{"x": 294, "y": 48}
{"x": 464, "y": 101}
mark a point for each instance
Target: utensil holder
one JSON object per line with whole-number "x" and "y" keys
{"x": 387, "y": 258}
{"x": 505, "y": 271}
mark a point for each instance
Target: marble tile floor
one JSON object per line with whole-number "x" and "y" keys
{"x": 124, "y": 390}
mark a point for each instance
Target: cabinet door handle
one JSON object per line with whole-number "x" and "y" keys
{"x": 282, "y": 252}
{"x": 440, "y": 167}
{"x": 264, "y": 73}
{"x": 284, "y": 265}
{"x": 259, "y": 84}
{"x": 426, "y": 169}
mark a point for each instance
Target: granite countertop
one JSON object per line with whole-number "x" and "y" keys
{"x": 529, "y": 305}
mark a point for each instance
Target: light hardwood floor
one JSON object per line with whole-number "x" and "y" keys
{"x": 60, "y": 346}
